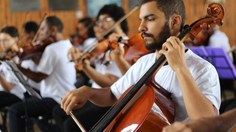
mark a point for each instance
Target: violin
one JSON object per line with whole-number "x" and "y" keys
{"x": 29, "y": 51}
{"x": 133, "y": 109}
{"x": 36, "y": 48}
{"x": 203, "y": 36}
{"x": 103, "y": 45}
{"x": 77, "y": 40}
{"x": 9, "y": 54}
{"x": 134, "y": 49}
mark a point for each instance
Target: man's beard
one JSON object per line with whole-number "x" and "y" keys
{"x": 161, "y": 38}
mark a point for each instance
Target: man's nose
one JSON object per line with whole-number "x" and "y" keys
{"x": 142, "y": 27}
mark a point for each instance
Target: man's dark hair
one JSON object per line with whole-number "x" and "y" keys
{"x": 89, "y": 23}
{"x": 54, "y": 21}
{"x": 31, "y": 26}
{"x": 115, "y": 12}
{"x": 11, "y": 30}
{"x": 169, "y": 7}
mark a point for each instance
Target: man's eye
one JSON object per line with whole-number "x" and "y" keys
{"x": 151, "y": 19}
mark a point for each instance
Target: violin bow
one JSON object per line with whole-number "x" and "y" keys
{"x": 113, "y": 27}
{"x": 37, "y": 33}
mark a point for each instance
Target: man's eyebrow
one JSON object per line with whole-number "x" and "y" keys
{"x": 145, "y": 17}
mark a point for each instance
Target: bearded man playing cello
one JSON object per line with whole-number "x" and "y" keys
{"x": 192, "y": 81}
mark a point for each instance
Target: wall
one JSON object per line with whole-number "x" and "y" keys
{"x": 194, "y": 9}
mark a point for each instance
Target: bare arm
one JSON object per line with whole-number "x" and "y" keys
{"x": 7, "y": 86}
{"x": 35, "y": 76}
{"x": 223, "y": 123}
{"x": 77, "y": 98}
{"x": 197, "y": 105}
{"x": 103, "y": 80}
{"x": 122, "y": 64}
{"x": 118, "y": 56}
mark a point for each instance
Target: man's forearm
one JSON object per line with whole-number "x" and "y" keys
{"x": 227, "y": 121}
{"x": 101, "y": 79}
{"x": 102, "y": 97}
{"x": 197, "y": 105}
{"x": 35, "y": 76}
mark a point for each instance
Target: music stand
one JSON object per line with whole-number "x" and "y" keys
{"x": 19, "y": 75}
{"x": 219, "y": 58}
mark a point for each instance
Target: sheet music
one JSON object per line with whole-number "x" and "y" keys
{"x": 219, "y": 58}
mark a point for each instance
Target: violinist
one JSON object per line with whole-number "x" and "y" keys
{"x": 105, "y": 73}
{"x": 50, "y": 68}
{"x": 30, "y": 30}
{"x": 85, "y": 33}
{"x": 11, "y": 90}
{"x": 192, "y": 81}
{"x": 9, "y": 41}
{"x": 86, "y": 39}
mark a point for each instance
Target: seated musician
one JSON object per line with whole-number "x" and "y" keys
{"x": 30, "y": 30}
{"x": 192, "y": 81}
{"x": 11, "y": 90}
{"x": 105, "y": 73}
{"x": 54, "y": 67}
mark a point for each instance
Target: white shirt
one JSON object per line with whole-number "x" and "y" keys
{"x": 109, "y": 68}
{"x": 29, "y": 64}
{"x": 203, "y": 72}
{"x": 220, "y": 39}
{"x": 10, "y": 77}
{"x": 87, "y": 44}
{"x": 60, "y": 70}
{"x": 6, "y": 72}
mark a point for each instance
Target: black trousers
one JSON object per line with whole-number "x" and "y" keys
{"x": 88, "y": 115}
{"x": 34, "y": 107}
{"x": 7, "y": 99}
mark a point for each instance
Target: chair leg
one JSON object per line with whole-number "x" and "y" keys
{"x": 4, "y": 120}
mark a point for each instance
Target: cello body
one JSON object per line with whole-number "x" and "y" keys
{"x": 141, "y": 117}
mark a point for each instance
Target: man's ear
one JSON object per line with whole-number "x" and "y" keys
{"x": 175, "y": 23}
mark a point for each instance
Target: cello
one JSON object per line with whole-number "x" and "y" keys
{"x": 133, "y": 112}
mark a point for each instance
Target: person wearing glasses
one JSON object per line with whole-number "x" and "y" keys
{"x": 104, "y": 73}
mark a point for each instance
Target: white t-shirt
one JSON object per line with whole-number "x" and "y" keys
{"x": 106, "y": 66}
{"x": 220, "y": 39}
{"x": 87, "y": 44}
{"x": 9, "y": 75}
{"x": 6, "y": 72}
{"x": 203, "y": 72}
{"x": 29, "y": 64}
{"x": 60, "y": 70}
